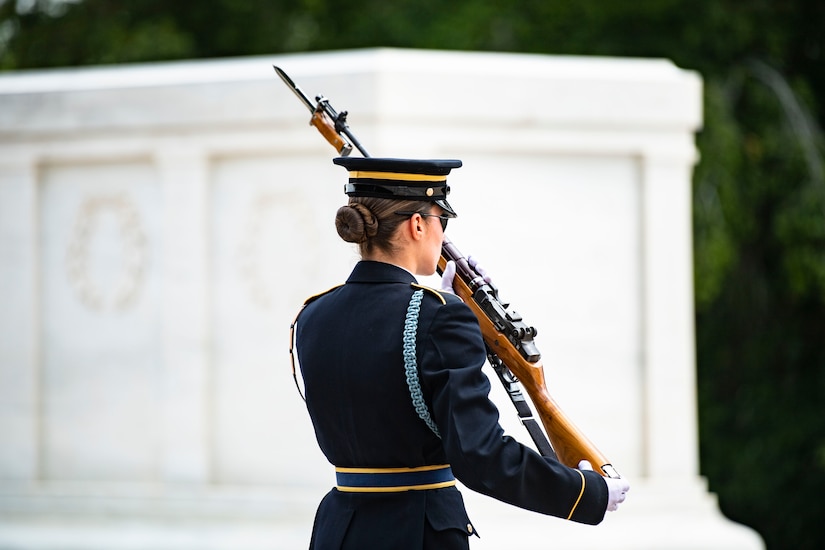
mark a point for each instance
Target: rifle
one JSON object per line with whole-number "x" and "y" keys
{"x": 511, "y": 348}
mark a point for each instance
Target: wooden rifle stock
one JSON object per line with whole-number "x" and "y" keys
{"x": 323, "y": 124}
{"x": 567, "y": 440}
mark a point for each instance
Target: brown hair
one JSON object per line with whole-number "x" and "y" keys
{"x": 371, "y": 222}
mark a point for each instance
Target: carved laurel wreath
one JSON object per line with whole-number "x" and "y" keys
{"x": 121, "y": 295}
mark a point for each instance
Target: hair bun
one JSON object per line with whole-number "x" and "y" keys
{"x": 355, "y": 223}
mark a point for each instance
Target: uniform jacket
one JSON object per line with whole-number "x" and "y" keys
{"x": 349, "y": 345}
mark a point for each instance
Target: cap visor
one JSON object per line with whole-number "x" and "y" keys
{"x": 447, "y": 208}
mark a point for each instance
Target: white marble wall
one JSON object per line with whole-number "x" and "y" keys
{"x": 161, "y": 224}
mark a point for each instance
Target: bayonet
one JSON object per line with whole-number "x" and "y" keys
{"x": 295, "y": 89}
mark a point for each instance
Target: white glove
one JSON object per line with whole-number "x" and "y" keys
{"x": 480, "y": 270}
{"x": 616, "y": 488}
{"x": 447, "y": 277}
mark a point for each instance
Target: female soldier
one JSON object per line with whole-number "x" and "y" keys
{"x": 394, "y": 385}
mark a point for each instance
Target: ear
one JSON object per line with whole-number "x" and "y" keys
{"x": 415, "y": 227}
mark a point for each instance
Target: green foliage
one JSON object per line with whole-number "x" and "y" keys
{"x": 759, "y": 189}
{"x": 760, "y": 255}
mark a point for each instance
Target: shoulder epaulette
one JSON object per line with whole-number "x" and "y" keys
{"x": 316, "y": 296}
{"x": 432, "y": 291}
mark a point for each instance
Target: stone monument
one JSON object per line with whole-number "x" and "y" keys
{"x": 161, "y": 224}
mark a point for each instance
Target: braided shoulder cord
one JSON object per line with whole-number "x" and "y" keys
{"x": 410, "y": 362}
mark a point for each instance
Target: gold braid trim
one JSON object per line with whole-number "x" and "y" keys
{"x": 432, "y": 291}
{"x": 580, "y": 495}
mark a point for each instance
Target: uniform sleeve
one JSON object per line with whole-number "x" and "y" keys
{"x": 482, "y": 457}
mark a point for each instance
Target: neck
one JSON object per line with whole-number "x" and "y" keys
{"x": 402, "y": 259}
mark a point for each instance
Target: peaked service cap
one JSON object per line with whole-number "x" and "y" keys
{"x": 400, "y": 179}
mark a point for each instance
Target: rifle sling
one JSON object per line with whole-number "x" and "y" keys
{"x": 525, "y": 414}
{"x": 539, "y": 439}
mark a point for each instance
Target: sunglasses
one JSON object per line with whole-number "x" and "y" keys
{"x": 424, "y": 215}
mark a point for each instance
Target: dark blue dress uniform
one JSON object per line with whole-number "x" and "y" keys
{"x": 351, "y": 351}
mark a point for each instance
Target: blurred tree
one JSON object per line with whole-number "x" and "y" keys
{"x": 759, "y": 203}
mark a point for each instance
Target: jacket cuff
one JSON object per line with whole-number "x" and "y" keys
{"x": 591, "y": 505}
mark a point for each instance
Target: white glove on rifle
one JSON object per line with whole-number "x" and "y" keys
{"x": 447, "y": 277}
{"x": 480, "y": 270}
{"x": 616, "y": 488}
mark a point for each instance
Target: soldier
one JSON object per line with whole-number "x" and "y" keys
{"x": 394, "y": 385}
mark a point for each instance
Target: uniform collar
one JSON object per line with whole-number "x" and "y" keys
{"x": 367, "y": 271}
